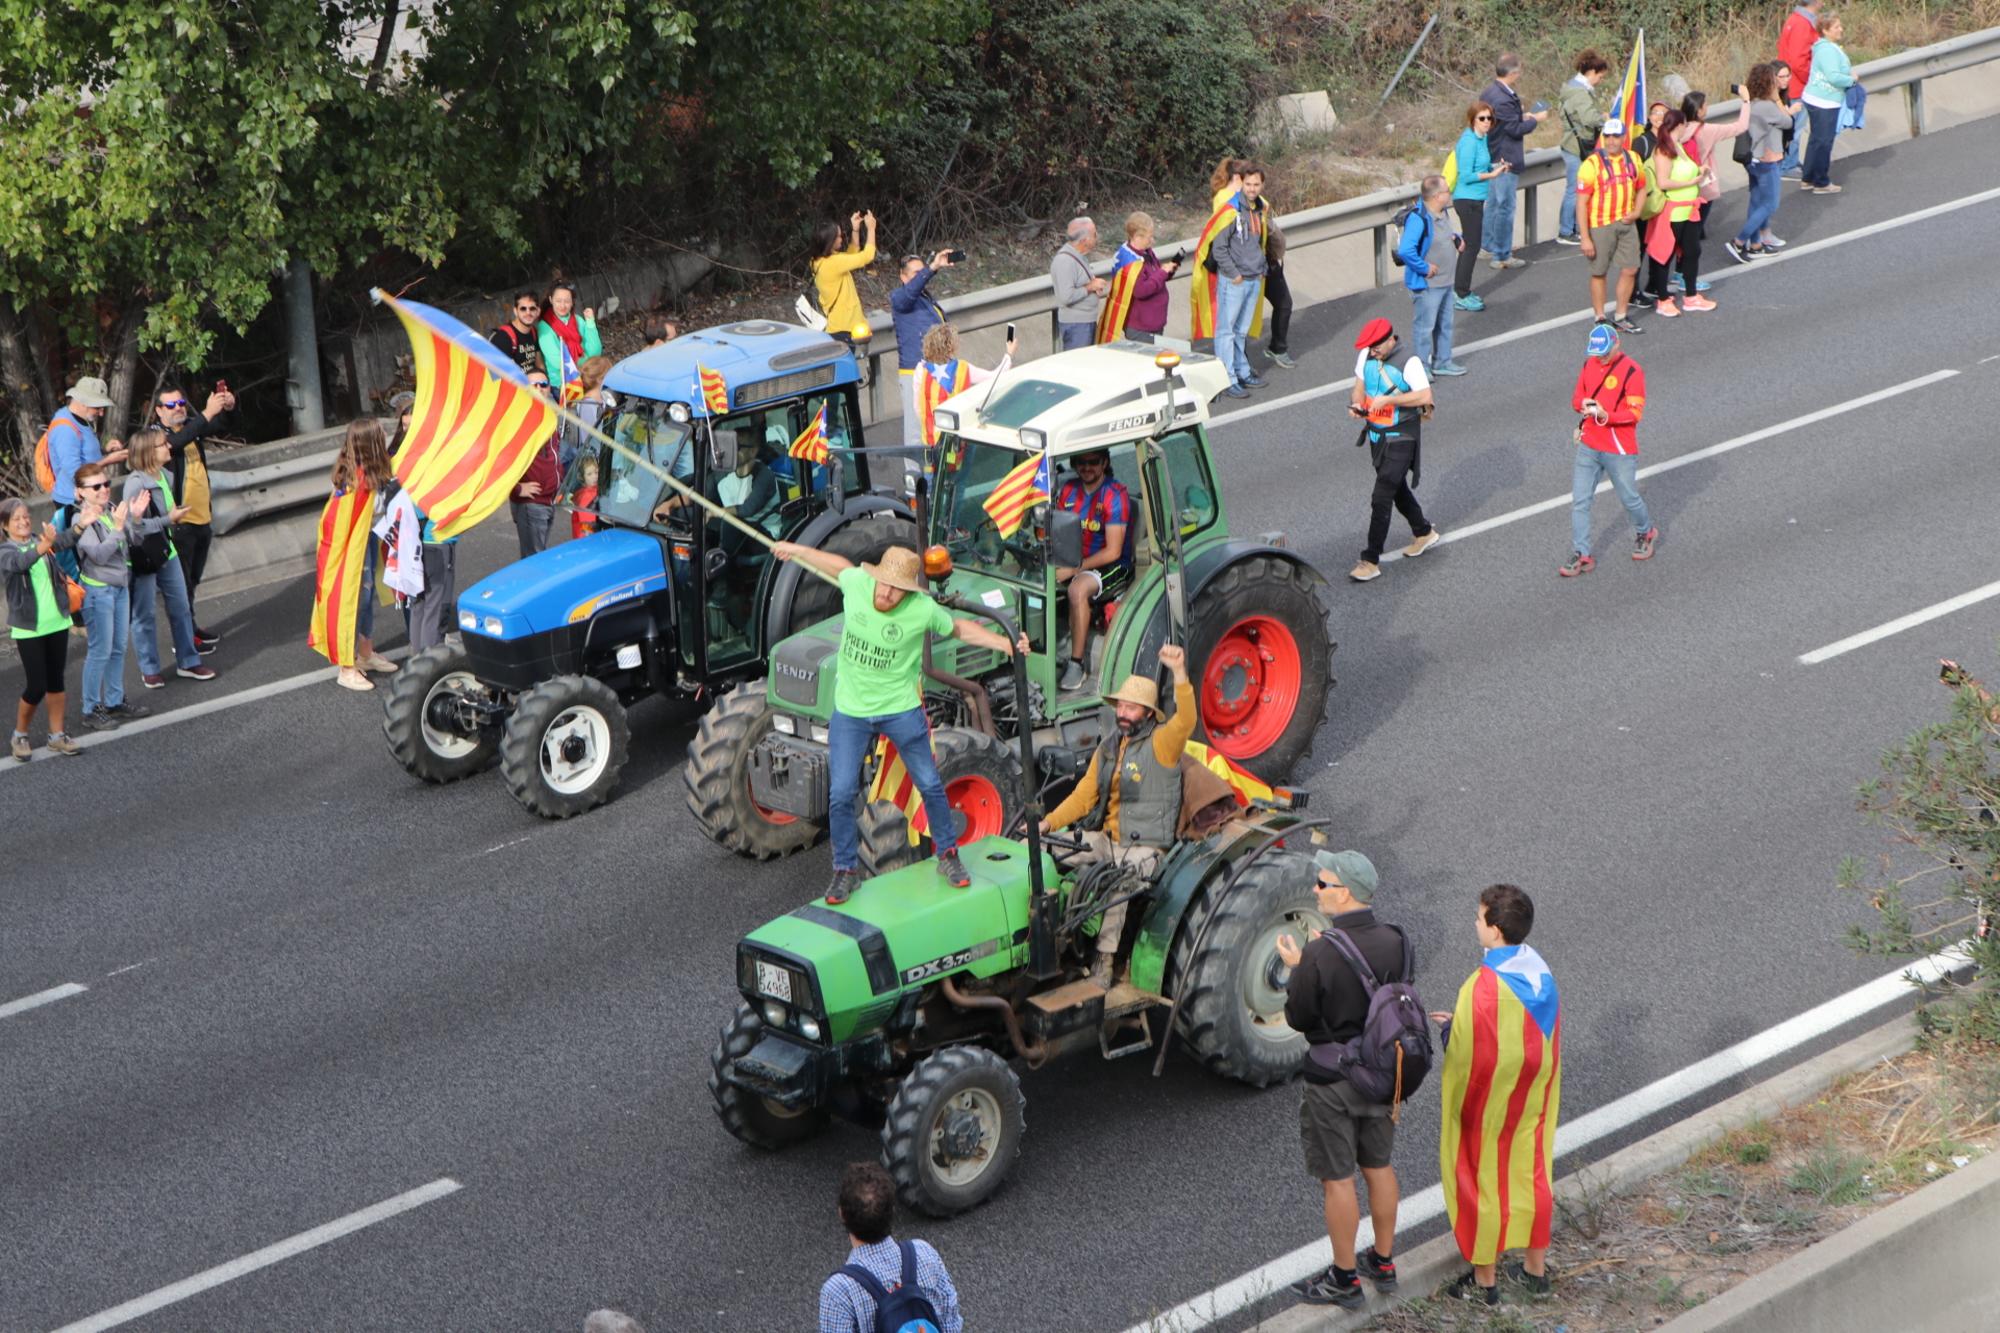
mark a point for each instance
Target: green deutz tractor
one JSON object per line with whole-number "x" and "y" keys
{"x": 1249, "y": 613}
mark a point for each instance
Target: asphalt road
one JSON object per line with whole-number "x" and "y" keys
{"x": 315, "y": 985}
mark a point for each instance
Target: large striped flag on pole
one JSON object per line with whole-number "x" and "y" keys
{"x": 1629, "y": 104}
{"x": 714, "y": 390}
{"x": 1126, "y": 266}
{"x": 475, "y": 425}
{"x": 1018, "y": 492}
{"x": 811, "y": 444}
{"x": 894, "y": 784}
{"x": 337, "y": 583}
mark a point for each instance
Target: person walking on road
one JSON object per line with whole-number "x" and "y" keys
{"x": 1342, "y": 1130}
{"x": 878, "y": 692}
{"x": 38, "y": 620}
{"x": 1582, "y": 119}
{"x": 1475, "y": 170}
{"x": 1611, "y": 396}
{"x": 905, "y": 1281}
{"x": 1392, "y": 403}
{"x": 1502, "y": 1090}
{"x": 1511, "y": 125}
{"x": 1825, "y": 94}
{"x": 1611, "y": 189}
{"x": 1429, "y": 249}
{"x": 1795, "y": 47}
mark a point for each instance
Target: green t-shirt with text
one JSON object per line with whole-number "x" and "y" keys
{"x": 882, "y": 654}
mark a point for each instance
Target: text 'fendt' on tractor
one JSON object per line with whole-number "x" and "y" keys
{"x": 662, "y": 599}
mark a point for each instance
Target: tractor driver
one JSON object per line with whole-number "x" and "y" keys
{"x": 1106, "y": 571}
{"x": 1135, "y": 816}
{"x": 878, "y": 691}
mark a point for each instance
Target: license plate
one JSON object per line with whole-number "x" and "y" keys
{"x": 774, "y": 981}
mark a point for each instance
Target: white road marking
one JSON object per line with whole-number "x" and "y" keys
{"x": 1683, "y": 460}
{"x": 129, "y": 967}
{"x": 1899, "y": 624}
{"x": 1262, "y": 1282}
{"x": 40, "y": 998}
{"x": 1790, "y": 252}
{"x": 264, "y": 1258}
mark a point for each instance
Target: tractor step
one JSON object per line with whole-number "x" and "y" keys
{"x": 1133, "y": 1033}
{"x": 1125, "y": 998}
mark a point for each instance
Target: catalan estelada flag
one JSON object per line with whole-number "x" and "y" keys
{"x": 572, "y": 378}
{"x": 1629, "y": 103}
{"x": 894, "y": 784}
{"x": 714, "y": 390}
{"x": 1502, "y": 1090}
{"x": 811, "y": 444}
{"x": 1206, "y": 297}
{"x": 935, "y": 383}
{"x": 1126, "y": 265}
{"x": 1247, "y": 785}
{"x": 1018, "y": 492}
{"x": 475, "y": 425}
{"x": 337, "y": 583}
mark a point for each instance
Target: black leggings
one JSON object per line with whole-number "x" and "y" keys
{"x": 1687, "y": 236}
{"x": 45, "y": 657}
{"x": 1279, "y": 294}
{"x": 1471, "y": 217}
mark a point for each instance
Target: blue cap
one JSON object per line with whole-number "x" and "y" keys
{"x": 1602, "y": 339}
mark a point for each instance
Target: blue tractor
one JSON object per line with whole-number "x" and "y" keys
{"x": 663, "y": 599}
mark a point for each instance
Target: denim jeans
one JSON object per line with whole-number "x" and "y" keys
{"x": 1819, "y": 153}
{"x": 1430, "y": 323}
{"x": 1077, "y": 335}
{"x": 1765, "y": 187}
{"x": 1499, "y": 222}
{"x": 107, "y": 613}
{"x": 1591, "y": 466}
{"x": 1791, "y": 160}
{"x": 1236, "y": 304}
{"x": 180, "y": 618}
{"x": 847, "y": 742}
{"x": 1567, "y": 220}
{"x": 531, "y": 526}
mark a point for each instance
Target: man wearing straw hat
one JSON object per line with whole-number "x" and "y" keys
{"x": 878, "y": 691}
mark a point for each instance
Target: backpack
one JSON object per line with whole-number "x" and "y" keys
{"x": 807, "y": 306}
{"x": 45, "y": 470}
{"x": 1390, "y": 1058}
{"x": 902, "y": 1308}
{"x": 1449, "y": 169}
{"x": 1402, "y": 219}
{"x": 1656, "y": 195}
{"x": 148, "y": 554}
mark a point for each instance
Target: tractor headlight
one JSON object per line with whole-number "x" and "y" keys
{"x": 774, "y": 1014}
{"x": 785, "y": 723}
{"x": 1034, "y": 439}
{"x": 468, "y": 620}
{"x": 809, "y": 1027}
{"x": 819, "y": 734}
{"x": 945, "y": 421}
{"x": 679, "y": 414}
{"x": 492, "y": 626}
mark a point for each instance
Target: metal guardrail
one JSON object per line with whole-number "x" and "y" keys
{"x": 1018, "y": 302}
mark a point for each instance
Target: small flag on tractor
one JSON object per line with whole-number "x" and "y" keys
{"x": 894, "y": 784}
{"x": 811, "y": 444}
{"x": 714, "y": 390}
{"x": 1018, "y": 492}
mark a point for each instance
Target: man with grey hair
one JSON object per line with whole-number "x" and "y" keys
{"x": 611, "y": 1321}
{"x": 1510, "y": 126}
{"x": 1079, "y": 295}
{"x": 1429, "y": 253}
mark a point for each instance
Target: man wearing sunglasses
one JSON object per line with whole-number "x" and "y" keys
{"x": 516, "y": 338}
{"x": 187, "y": 469}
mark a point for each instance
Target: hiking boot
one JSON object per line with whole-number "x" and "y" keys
{"x": 22, "y": 748}
{"x": 1579, "y": 563}
{"x": 1326, "y": 1289}
{"x": 842, "y": 886}
{"x": 60, "y": 743}
{"x": 126, "y": 712}
{"x": 1380, "y": 1271}
{"x": 1422, "y": 544}
{"x": 1471, "y": 301}
{"x": 1535, "y": 1284}
{"x": 1073, "y": 676}
{"x": 1364, "y": 571}
{"x": 99, "y": 720}
{"x": 1642, "y": 549}
{"x": 953, "y": 870}
{"x": 1467, "y": 1288}
{"x": 153, "y": 681}
{"x": 195, "y": 673}
{"x": 1283, "y": 359}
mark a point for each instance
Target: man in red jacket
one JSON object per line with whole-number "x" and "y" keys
{"x": 534, "y": 495}
{"x": 1611, "y": 396}
{"x": 1795, "y": 44}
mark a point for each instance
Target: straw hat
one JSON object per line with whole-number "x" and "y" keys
{"x": 898, "y": 568}
{"x": 1140, "y": 690}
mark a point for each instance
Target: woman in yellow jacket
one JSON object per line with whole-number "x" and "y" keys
{"x": 1677, "y": 228}
{"x": 837, "y": 253}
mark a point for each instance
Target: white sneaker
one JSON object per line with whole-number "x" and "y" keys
{"x": 350, "y": 678}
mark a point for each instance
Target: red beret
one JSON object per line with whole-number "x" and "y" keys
{"x": 1374, "y": 331}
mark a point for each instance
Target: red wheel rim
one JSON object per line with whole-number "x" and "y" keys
{"x": 778, "y": 817}
{"x": 1250, "y": 686}
{"x": 980, "y": 804}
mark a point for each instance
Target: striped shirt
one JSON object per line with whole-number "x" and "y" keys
{"x": 1608, "y": 187}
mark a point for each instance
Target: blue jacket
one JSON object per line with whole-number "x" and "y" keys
{"x": 1854, "y": 115}
{"x": 1412, "y": 249}
{"x": 72, "y": 443}
{"x": 1474, "y": 161}
{"x": 914, "y": 313}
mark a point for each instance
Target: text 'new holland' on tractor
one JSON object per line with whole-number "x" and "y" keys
{"x": 662, "y": 599}
{"x": 1248, "y": 612}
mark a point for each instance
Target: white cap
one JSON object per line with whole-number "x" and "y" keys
{"x": 1614, "y": 126}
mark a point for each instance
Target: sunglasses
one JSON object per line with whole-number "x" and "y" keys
{"x": 171, "y": 403}
{"x": 1480, "y": 118}
{"x": 97, "y": 485}
{"x": 528, "y": 306}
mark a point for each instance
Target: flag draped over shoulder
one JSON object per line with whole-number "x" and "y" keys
{"x": 475, "y": 425}
{"x": 894, "y": 784}
{"x": 337, "y": 580}
{"x": 934, "y": 384}
{"x": 1018, "y": 492}
{"x": 1125, "y": 267}
{"x": 1205, "y": 300}
{"x": 1629, "y": 104}
{"x": 572, "y": 378}
{"x": 811, "y": 443}
{"x": 1502, "y": 1091}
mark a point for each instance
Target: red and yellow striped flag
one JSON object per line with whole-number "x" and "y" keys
{"x": 475, "y": 425}
{"x": 1018, "y": 492}
{"x": 811, "y": 444}
{"x": 714, "y": 390}
{"x": 1205, "y": 299}
{"x": 934, "y": 385}
{"x": 1247, "y": 785}
{"x": 337, "y": 583}
{"x": 1118, "y": 301}
{"x": 894, "y": 784}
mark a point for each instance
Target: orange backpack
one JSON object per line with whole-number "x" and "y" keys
{"x": 45, "y": 472}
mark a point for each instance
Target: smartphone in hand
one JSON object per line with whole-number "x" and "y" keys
{"x": 1010, "y": 332}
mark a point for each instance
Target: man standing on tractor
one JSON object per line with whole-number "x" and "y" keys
{"x": 878, "y": 691}
{"x": 1106, "y": 571}
{"x": 1134, "y": 815}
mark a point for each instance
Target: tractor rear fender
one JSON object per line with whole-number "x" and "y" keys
{"x": 647, "y": 622}
{"x": 1136, "y": 639}
{"x": 1188, "y": 869}
{"x": 785, "y": 582}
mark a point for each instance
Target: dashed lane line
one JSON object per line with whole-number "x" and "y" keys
{"x": 40, "y": 998}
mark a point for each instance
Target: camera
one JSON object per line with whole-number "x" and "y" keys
{"x": 955, "y": 256}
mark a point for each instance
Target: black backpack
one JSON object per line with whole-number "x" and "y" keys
{"x": 902, "y": 1308}
{"x": 1389, "y": 1060}
{"x": 149, "y": 554}
{"x": 1401, "y": 220}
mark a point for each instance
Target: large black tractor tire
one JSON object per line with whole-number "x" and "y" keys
{"x": 982, "y": 776}
{"x": 1262, "y": 664}
{"x": 953, "y": 1131}
{"x": 1227, "y": 975}
{"x": 758, "y": 1121}
{"x": 718, "y": 780}
{"x": 419, "y": 736}
{"x": 564, "y": 746}
{"x": 863, "y": 541}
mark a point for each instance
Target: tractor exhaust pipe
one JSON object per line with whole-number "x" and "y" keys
{"x": 1033, "y": 1052}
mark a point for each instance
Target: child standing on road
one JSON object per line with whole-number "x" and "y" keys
{"x": 1611, "y": 395}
